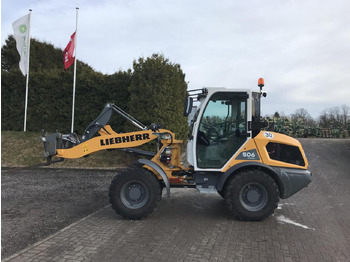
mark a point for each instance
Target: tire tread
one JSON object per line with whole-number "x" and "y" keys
{"x": 134, "y": 173}
{"x": 233, "y": 201}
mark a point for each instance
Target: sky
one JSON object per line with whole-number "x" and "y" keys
{"x": 300, "y": 47}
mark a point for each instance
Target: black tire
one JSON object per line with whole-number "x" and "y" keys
{"x": 222, "y": 193}
{"x": 160, "y": 192}
{"x": 134, "y": 193}
{"x": 252, "y": 195}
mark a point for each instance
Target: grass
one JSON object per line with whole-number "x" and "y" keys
{"x": 21, "y": 149}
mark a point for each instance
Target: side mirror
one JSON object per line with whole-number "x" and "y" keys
{"x": 188, "y": 106}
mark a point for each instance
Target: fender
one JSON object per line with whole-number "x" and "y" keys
{"x": 221, "y": 182}
{"x": 159, "y": 170}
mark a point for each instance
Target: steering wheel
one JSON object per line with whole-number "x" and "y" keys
{"x": 209, "y": 130}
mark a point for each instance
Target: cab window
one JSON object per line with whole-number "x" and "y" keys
{"x": 222, "y": 129}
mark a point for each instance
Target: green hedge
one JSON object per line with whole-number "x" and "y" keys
{"x": 152, "y": 92}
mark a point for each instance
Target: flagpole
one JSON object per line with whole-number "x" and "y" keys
{"x": 27, "y": 80}
{"x": 75, "y": 67}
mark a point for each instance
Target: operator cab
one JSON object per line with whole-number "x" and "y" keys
{"x": 225, "y": 120}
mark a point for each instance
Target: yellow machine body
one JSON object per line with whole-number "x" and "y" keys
{"x": 259, "y": 144}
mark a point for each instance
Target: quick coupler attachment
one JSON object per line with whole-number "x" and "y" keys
{"x": 51, "y": 143}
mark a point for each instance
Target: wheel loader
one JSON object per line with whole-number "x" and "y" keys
{"x": 228, "y": 154}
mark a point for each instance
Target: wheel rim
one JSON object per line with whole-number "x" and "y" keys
{"x": 253, "y": 197}
{"x": 134, "y": 194}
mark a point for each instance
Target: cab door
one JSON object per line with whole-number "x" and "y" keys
{"x": 222, "y": 129}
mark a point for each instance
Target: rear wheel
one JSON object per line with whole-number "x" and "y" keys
{"x": 221, "y": 193}
{"x": 252, "y": 195}
{"x": 134, "y": 193}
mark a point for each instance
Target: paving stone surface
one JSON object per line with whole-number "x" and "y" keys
{"x": 313, "y": 225}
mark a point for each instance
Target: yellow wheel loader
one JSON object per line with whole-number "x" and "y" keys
{"x": 227, "y": 154}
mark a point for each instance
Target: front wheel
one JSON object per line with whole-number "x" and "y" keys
{"x": 252, "y": 195}
{"x": 134, "y": 193}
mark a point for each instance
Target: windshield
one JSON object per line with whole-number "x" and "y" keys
{"x": 222, "y": 129}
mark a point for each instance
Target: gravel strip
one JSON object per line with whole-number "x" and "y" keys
{"x": 38, "y": 202}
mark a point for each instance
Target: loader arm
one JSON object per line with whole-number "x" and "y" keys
{"x": 109, "y": 141}
{"x": 69, "y": 145}
{"x": 103, "y": 119}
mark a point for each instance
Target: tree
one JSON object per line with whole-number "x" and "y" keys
{"x": 323, "y": 120}
{"x": 157, "y": 86}
{"x": 9, "y": 55}
{"x": 158, "y": 90}
{"x": 301, "y": 120}
{"x": 302, "y": 115}
{"x": 335, "y": 117}
{"x": 50, "y": 91}
{"x": 344, "y": 110}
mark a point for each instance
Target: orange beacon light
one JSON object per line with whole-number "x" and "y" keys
{"x": 261, "y": 82}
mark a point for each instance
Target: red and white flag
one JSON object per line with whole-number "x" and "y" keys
{"x": 68, "y": 57}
